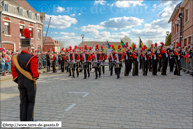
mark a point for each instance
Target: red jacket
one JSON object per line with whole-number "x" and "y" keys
{"x": 33, "y": 67}
{"x": 122, "y": 57}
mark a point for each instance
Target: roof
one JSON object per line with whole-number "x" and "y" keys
{"x": 51, "y": 41}
{"x": 94, "y": 43}
{"x": 175, "y": 12}
{"x": 184, "y": 2}
{"x": 22, "y": 3}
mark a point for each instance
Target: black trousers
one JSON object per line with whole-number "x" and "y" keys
{"x": 97, "y": 70}
{"x": 164, "y": 64}
{"x": 160, "y": 64}
{"x": 27, "y": 90}
{"x": 90, "y": 66}
{"x": 62, "y": 65}
{"x": 86, "y": 70}
{"x": 111, "y": 70}
{"x": 135, "y": 67}
{"x": 154, "y": 67}
{"x": 145, "y": 67}
{"x": 177, "y": 69}
{"x": 171, "y": 62}
{"x": 118, "y": 71}
{"x": 69, "y": 70}
{"x": 73, "y": 70}
{"x": 48, "y": 65}
{"x": 54, "y": 66}
{"x": 141, "y": 62}
{"x": 126, "y": 67}
{"x": 150, "y": 64}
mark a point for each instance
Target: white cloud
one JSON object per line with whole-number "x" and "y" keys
{"x": 101, "y": 2}
{"x": 126, "y": 4}
{"x": 68, "y": 34}
{"x": 54, "y": 32}
{"x": 92, "y": 29}
{"x": 72, "y": 15}
{"x": 60, "y": 21}
{"x": 122, "y": 23}
{"x": 79, "y": 14}
{"x": 75, "y": 28}
{"x": 60, "y": 9}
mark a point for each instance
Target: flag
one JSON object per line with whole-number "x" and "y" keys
{"x": 140, "y": 43}
{"x": 93, "y": 49}
{"x": 108, "y": 45}
{"x": 122, "y": 43}
{"x": 116, "y": 47}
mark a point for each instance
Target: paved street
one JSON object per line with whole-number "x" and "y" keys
{"x": 130, "y": 102}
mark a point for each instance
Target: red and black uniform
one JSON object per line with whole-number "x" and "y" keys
{"x": 164, "y": 61}
{"x": 75, "y": 58}
{"x": 111, "y": 62}
{"x": 128, "y": 62}
{"x": 86, "y": 59}
{"x": 54, "y": 63}
{"x": 154, "y": 62}
{"x": 177, "y": 62}
{"x": 48, "y": 61}
{"x": 27, "y": 87}
{"x": 104, "y": 57}
{"x": 62, "y": 60}
{"x": 145, "y": 63}
{"x": 171, "y": 60}
{"x": 135, "y": 64}
{"x": 160, "y": 60}
{"x": 118, "y": 58}
{"x": 98, "y": 58}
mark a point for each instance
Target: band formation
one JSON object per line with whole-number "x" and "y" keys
{"x": 25, "y": 66}
{"x": 153, "y": 60}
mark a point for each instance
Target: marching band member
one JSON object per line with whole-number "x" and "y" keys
{"x": 69, "y": 60}
{"x": 154, "y": 61}
{"x": 97, "y": 58}
{"x": 75, "y": 60}
{"x": 104, "y": 57}
{"x": 62, "y": 58}
{"x": 171, "y": 59}
{"x": 90, "y": 54}
{"x": 135, "y": 61}
{"x": 163, "y": 53}
{"x": 48, "y": 60}
{"x": 160, "y": 60}
{"x": 111, "y": 60}
{"x": 177, "y": 54}
{"x": 54, "y": 61}
{"x": 119, "y": 57}
{"x": 145, "y": 60}
{"x": 86, "y": 59}
{"x": 66, "y": 59}
{"x": 126, "y": 57}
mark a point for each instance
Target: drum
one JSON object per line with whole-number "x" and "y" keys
{"x": 96, "y": 64}
{"x": 72, "y": 65}
{"x": 111, "y": 64}
{"x": 118, "y": 65}
{"x": 66, "y": 64}
{"x": 84, "y": 65}
{"x": 104, "y": 63}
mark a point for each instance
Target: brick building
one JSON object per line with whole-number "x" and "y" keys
{"x": 182, "y": 23}
{"x": 52, "y": 44}
{"x": 16, "y": 16}
{"x": 100, "y": 43}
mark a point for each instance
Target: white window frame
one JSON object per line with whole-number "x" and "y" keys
{"x": 39, "y": 38}
{"x": 37, "y": 16}
{"x": 187, "y": 8}
{"x": 30, "y": 12}
{"x": 5, "y": 7}
{"x": 7, "y": 24}
{"x": 19, "y": 11}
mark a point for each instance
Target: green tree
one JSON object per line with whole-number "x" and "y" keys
{"x": 62, "y": 44}
{"x": 168, "y": 41}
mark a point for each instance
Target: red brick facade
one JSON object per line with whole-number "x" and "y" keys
{"x": 51, "y": 44}
{"x": 11, "y": 40}
{"x": 182, "y": 31}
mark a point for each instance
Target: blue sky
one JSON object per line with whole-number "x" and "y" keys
{"x": 101, "y": 20}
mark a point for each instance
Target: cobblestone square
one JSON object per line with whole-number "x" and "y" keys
{"x": 128, "y": 102}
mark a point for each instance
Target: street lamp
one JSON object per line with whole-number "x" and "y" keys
{"x": 167, "y": 32}
{"x": 82, "y": 39}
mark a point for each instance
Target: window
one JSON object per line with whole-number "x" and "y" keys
{"x": 39, "y": 34}
{"x": 6, "y": 7}
{"x": 187, "y": 15}
{"x": 38, "y": 17}
{"x": 21, "y": 12}
{"x": 21, "y": 31}
{"x": 31, "y": 30}
{"x": 7, "y": 27}
{"x": 189, "y": 40}
{"x": 30, "y": 15}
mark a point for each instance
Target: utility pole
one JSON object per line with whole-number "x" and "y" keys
{"x": 47, "y": 31}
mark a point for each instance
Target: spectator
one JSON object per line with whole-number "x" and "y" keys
{"x": 2, "y": 59}
{"x": 10, "y": 57}
{"x": 6, "y": 57}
